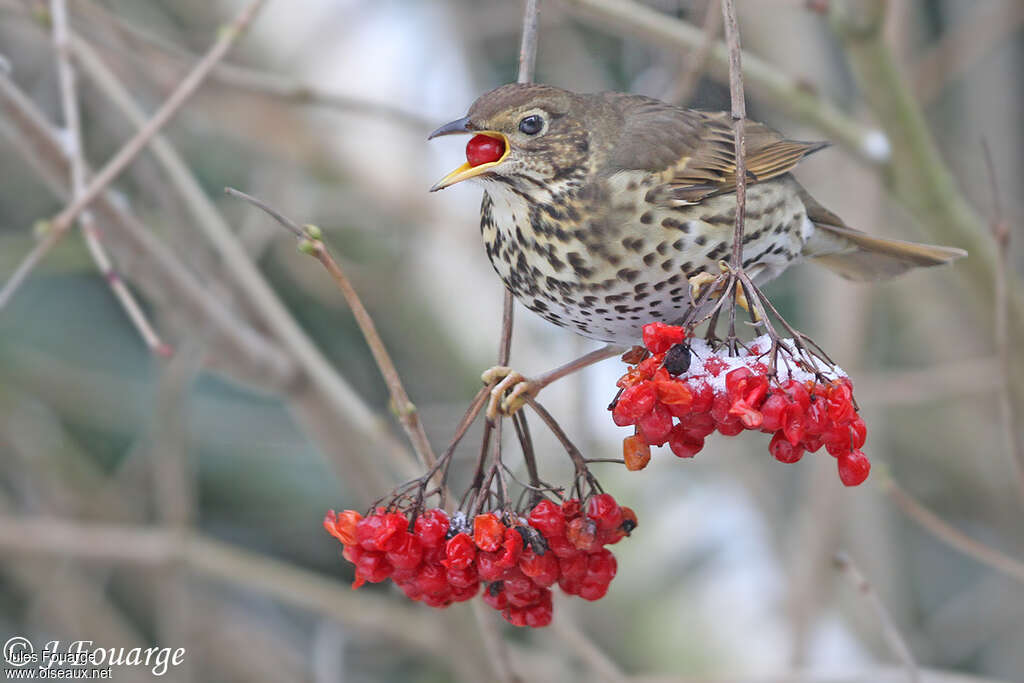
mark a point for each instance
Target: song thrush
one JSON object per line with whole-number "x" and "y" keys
{"x": 598, "y": 209}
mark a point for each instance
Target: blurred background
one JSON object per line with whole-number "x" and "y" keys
{"x": 167, "y": 486}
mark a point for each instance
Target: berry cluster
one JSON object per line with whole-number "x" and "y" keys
{"x": 679, "y": 395}
{"x": 439, "y": 561}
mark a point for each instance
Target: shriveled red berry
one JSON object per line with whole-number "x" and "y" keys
{"x": 683, "y": 443}
{"x": 697, "y": 425}
{"x": 374, "y": 532}
{"x": 674, "y": 393}
{"x": 431, "y": 527}
{"x": 494, "y": 596}
{"x": 783, "y": 451}
{"x": 460, "y": 551}
{"x": 342, "y": 526}
{"x": 483, "y": 149}
{"x": 432, "y": 578}
{"x": 571, "y": 509}
{"x": 605, "y": 512}
{"x": 749, "y": 416}
{"x": 511, "y": 547}
{"x": 582, "y": 533}
{"x": 405, "y": 551}
{"x": 546, "y": 517}
{"x": 489, "y": 568}
{"x": 488, "y": 532}
{"x": 655, "y": 425}
{"x": 658, "y": 337}
{"x": 539, "y": 614}
{"x": 462, "y": 578}
{"x": 373, "y": 567}
{"x": 634, "y": 403}
{"x": 635, "y": 452}
{"x": 542, "y": 569}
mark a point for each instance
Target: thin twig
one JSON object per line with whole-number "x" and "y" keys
{"x": 61, "y": 223}
{"x": 953, "y": 537}
{"x": 764, "y": 80}
{"x": 72, "y": 123}
{"x": 682, "y": 88}
{"x": 275, "y": 86}
{"x": 1001, "y": 331}
{"x": 404, "y": 408}
{"x": 892, "y": 634}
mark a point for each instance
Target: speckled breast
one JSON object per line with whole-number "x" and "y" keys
{"x": 605, "y": 258}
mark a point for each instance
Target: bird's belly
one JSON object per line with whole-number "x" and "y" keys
{"x": 605, "y": 279}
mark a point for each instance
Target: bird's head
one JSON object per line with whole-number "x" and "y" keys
{"x": 521, "y": 132}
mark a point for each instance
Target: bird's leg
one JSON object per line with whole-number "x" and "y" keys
{"x": 511, "y": 388}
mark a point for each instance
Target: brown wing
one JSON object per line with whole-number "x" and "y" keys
{"x": 698, "y": 147}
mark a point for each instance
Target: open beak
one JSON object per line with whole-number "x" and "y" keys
{"x": 465, "y": 171}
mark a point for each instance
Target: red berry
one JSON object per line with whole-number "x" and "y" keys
{"x": 697, "y": 425}
{"x": 515, "y": 616}
{"x": 460, "y": 551}
{"x": 703, "y": 396}
{"x": 659, "y": 337}
{"x": 542, "y": 569}
{"x": 750, "y": 417}
{"x": 373, "y": 567}
{"x": 605, "y": 512}
{"x": 783, "y": 451}
{"x": 405, "y": 551}
{"x": 343, "y": 526}
{"x": 488, "y": 567}
{"x": 494, "y": 595}
{"x": 488, "y": 532}
{"x": 730, "y": 427}
{"x": 526, "y": 597}
{"x": 582, "y": 533}
{"x": 465, "y": 593}
{"x": 655, "y": 425}
{"x": 772, "y": 411}
{"x": 635, "y": 452}
{"x": 571, "y": 509}
{"x": 634, "y": 403}
{"x": 483, "y": 149}
{"x": 432, "y": 578}
{"x": 546, "y": 517}
{"x": 511, "y": 548}
{"x": 539, "y": 614}
{"x": 431, "y": 527}
{"x": 674, "y": 393}
{"x": 683, "y": 444}
{"x": 462, "y": 578}
{"x": 853, "y": 468}
{"x": 374, "y": 532}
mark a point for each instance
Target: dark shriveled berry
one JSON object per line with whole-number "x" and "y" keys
{"x": 677, "y": 359}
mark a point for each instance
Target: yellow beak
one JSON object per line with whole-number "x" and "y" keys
{"x": 465, "y": 171}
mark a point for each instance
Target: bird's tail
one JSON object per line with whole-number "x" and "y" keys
{"x": 856, "y": 255}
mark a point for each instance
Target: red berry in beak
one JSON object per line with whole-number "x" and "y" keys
{"x": 483, "y": 149}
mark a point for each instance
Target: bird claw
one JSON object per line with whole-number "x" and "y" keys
{"x": 510, "y": 391}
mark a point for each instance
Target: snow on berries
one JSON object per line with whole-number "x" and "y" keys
{"x": 514, "y": 561}
{"x": 680, "y": 394}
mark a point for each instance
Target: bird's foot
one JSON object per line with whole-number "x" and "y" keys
{"x": 510, "y": 390}
{"x": 703, "y": 279}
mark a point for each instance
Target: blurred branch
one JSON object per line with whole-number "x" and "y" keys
{"x": 311, "y": 241}
{"x": 763, "y": 80}
{"x": 60, "y": 224}
{"x": 330, "y": 388}
{"x": 1001, "y": 331}
{"x": 72, "y": 122}
{"x": 155, "y": 269}
{"x": 892, "y": 634}
{"x": 211, "y": 559}
{"x": 959, "y": 50}
{"x": 930, "y": 383}
{"x": 266, "y": 84}
{"x": 680, "y": 90}
{"x": 596, "y": 659}
{"x": 916, "y": 174}
{"x": 951, "y": 536}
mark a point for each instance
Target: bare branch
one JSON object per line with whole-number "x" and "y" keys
{"x": 404, "y": 408}
{"x": 72, "y": 122}
{"x": 739, "y": 116}
{"x": 188, "y": 86}
{"x": 892, "y": 634}
{"x": 764, "y": 80}
{"x": 953, "y": 537}
{"x": 682, "y": 88}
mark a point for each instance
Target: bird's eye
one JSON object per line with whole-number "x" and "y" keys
{"x": 531, "y": 124}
